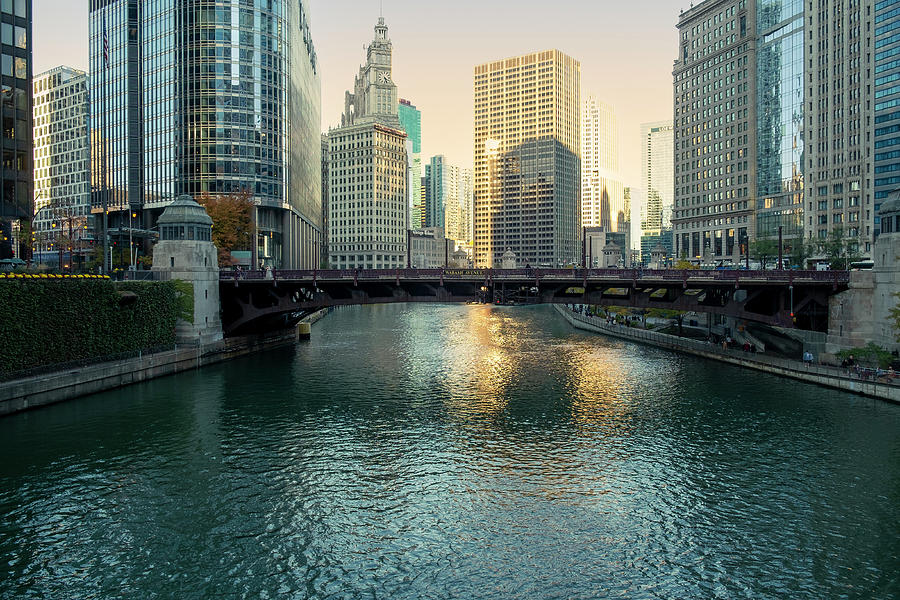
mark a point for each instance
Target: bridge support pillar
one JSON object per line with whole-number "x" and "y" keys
{"x": 862, "y": 314}
{"x": 185, "y": 253}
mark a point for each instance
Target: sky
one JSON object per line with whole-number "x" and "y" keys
{"x": 626, "y": 51}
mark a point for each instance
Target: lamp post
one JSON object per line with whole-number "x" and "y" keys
{"x": 131, "y": 215}
{"x": 58, "y": 239}
{"x": 780, "y": 249}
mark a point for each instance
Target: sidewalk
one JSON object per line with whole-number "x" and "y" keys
{"x": 861, "y": 381}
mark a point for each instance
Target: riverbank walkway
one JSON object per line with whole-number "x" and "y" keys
{"x": 861, "y": 381}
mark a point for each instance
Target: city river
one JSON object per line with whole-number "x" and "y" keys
{"x": 454, "y": 452}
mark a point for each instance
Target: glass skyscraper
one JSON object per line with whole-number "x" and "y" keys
{"x": 602, "y": 191}
{"x": 438, "y": 175}
{"x": 779, "y": 111}
{"x": 411, "y": 120}
{"x": 16, "y": 172}
{"x": 658, "y": 179}
{"x": 201, "y": 97}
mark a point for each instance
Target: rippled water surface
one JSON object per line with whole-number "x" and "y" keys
{"x": 454, "y": 452}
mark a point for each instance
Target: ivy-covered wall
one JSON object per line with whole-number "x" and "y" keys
{"x": 45, "y": 322}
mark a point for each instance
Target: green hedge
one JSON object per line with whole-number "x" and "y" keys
{"x": 46, "y": 322}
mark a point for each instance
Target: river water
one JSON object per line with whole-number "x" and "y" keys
{"x": 454, "y": 452}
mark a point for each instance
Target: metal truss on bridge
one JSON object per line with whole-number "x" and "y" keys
{"x": 256, "y": 301}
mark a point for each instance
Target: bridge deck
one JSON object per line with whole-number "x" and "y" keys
{"x": 773, "y": 277}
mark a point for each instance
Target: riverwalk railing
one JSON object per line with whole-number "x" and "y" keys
{"x": 855, "y": 373}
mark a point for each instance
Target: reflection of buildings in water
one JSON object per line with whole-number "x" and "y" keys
{"x": 597, "y": 382}
{"x": 483, "y": 361}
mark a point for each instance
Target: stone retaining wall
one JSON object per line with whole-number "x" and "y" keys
{"x": 32, "y": 392}
{"x": 832, "y": 377}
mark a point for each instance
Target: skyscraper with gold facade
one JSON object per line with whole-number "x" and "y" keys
{"x": 528, "y": 159}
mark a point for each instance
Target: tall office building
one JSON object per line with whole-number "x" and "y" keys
{"x": 16, "y": 172}
{"x": 602, "y": 191}
{"x": 449, "y": 200}
{"x": 465, "y": 234}
{"x": 886, "y": 140}
{"x": 839, "y": 168}
{"x": 411, "y": 120}
{"x": 368, "y": 198}
{"x": 715, "y": 130}
{"x": 62, "y": 185}
{"x": 190, "y": 99}
{"x": 528, "y": 159}
{"x": 658, "y": 179}
{"x": 439, "y": 177}
{"x": 326, "y": 161}
{"x": 780, "y": 115}
{"x": 838, "y": 159}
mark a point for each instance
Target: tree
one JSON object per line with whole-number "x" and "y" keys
{"x": 675, "y": 315}
{"x": 233, "y": 227}
{"x": 26, "y": 233}
{"x": 763, "y": 250}
{"x": 895, "y": 318}
{"x": 684, "y": 263}
{"x": 800, "y": 252}
{"x": 839, "y": 250}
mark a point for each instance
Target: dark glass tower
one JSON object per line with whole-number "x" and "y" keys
{"x": 195, "y": 96}
{"x": 887, "y": 102}
{"x": 16, "y": 171}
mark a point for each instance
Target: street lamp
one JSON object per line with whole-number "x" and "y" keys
{"x": 131, "y": 215}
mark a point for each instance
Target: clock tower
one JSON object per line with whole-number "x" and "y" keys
{"x": 368, "y": 170}
{"x": 374, "y": 92}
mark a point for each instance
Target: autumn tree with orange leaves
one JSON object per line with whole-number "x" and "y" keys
{"x": 233, "y": 228}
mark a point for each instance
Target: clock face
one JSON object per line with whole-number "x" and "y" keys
{"x": 384, "y": 78}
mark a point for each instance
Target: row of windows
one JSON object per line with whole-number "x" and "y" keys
{"x": 185, "y": 232}
{"x": 14, "y": 66}
{"x": 14, "y": 7}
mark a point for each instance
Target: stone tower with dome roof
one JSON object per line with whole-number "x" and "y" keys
{"x": 185, "y": 252}
{"x": 862, "y": 314}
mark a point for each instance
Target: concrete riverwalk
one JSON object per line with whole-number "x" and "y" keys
{"x": 833, "y": 377}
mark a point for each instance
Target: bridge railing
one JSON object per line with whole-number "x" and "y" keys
{"x": 650, "y": 275}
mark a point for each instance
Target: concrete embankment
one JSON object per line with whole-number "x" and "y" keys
{"x": 832, "y": 377}
{"x": 32, "y": 392}
{"x": 41, "y": 390}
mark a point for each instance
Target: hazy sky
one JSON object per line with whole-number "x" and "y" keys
{"x": 626, "y": 51}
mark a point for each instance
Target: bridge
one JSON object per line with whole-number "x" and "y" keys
{"x": 256, "y": 301}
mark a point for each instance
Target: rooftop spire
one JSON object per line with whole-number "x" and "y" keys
{"x": 381, "y": 31}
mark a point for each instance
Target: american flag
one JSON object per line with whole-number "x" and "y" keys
{"x": 105, "y": 44}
